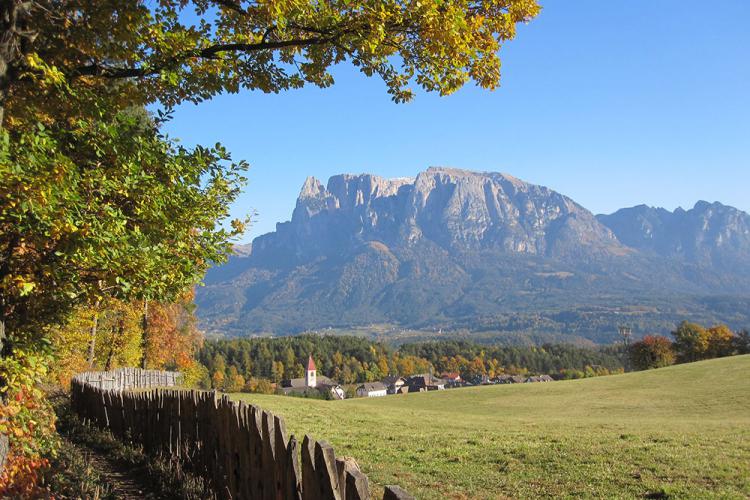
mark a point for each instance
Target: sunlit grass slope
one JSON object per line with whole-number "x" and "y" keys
{"x": 682, "y": 431}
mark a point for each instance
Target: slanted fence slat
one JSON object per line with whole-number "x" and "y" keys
{"x": 242, "y": 451}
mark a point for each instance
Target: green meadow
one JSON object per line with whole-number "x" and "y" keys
{"x": 677, "y": 432}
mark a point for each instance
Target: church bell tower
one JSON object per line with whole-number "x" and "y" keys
{"x": 311, "y": 375}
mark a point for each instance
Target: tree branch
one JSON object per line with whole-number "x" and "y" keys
{"x": 97, "y": 69}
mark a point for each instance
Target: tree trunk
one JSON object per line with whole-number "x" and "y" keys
{"x": 16, "y": 40}
{"x": 2, "y": 329}
{"x": 144, "y": 335}
{"x": 115, "y": 342}
{"x": 7, "y": 29}
{"x": 4, "y": 448}
{"x": 92, "y": 340}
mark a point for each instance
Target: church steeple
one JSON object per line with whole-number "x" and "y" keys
{"x": 311, "y": 374}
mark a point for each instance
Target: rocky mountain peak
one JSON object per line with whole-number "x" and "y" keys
{"x": 708, "y": 233}
{"x": 456, "y": 209}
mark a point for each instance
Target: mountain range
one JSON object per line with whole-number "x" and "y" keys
{"x": 456, "y": 250}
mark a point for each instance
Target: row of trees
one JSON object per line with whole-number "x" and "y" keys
{"x": 344, "y": 358}
{"x": 453, "y": 355}
{"x": 252, "y": 365}
{"x": 692, "y": 342}
{"x": 243, "y": 364}
{"x": 109, "y": 334}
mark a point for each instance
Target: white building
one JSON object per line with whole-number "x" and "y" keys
{"x": 372, "y": 390}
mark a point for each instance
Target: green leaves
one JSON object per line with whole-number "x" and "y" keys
{"x": 179, "y": 50}
{"x": 110, "y": 206}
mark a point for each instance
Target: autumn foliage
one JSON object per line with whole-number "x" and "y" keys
{"x": 103, "y": 217}
{"x": 692, "y": 342}
{"x": 26, "y": 417}
{"x": 651, "y": 352}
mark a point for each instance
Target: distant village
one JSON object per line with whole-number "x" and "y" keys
{"x": 313, "y": 384}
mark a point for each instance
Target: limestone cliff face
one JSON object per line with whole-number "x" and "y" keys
{"x": 710, "y": 234}
{"x": 457, "y": 249}
{"x": 456, "y": 209}
{"x": 461, "y": 209}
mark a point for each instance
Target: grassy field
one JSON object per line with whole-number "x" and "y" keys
{"x": 677, "y": 432}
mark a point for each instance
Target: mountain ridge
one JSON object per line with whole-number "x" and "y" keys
{"x": 451, "y": 248}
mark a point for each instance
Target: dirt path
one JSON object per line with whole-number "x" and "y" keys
{"x": 123, "y": 480}
{"x": 118, "y": 478}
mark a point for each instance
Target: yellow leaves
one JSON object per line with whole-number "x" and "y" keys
{"x": 50, "y": 75}
{"x": 238, "y": 226}
{"x": 442, "y": 43}
{"x": 22, "y": 285}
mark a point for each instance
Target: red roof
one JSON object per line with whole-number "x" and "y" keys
{"x": 310, "y": 364}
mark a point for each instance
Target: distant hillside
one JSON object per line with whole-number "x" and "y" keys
{"x": 452, "y": 249}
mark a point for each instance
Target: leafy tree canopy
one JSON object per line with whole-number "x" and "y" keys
{"x": 180, "y": 50}
{"x": 107, "y": 208}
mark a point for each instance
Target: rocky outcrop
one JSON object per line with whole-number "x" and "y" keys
{"x": 455, "y": 209}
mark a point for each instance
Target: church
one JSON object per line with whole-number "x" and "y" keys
{"x": 311, "y": 383}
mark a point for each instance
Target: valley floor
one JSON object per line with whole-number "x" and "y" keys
{"x": 677, "y": 432}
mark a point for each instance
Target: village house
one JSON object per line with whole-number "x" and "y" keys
{"x": 541, "y": 378}
{"x": 395, "y": 385}
{"x": 371, "y": 390}
{"x": 424, "y": 382}
{"x": 509, "y": 379}
{"x": 452, "y": 379}
{"x": 312, "y": 383}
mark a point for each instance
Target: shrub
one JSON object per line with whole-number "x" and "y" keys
{"x": 26, "y": 418}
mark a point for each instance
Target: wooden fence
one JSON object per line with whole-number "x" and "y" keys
{"x": 129, "y": 378}
{"x": 242, "y": 450}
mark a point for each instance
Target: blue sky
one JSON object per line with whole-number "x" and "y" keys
{"x": 611, "y": 103}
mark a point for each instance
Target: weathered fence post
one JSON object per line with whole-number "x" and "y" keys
{"x": 325, "y": 466}
{"x": 269, "y": 459}
{"x": 309, "y": 477}
{"x": 357, "y": 487}
{"x": 294, "y": 484}
{"x": 352, "y": 482}
{"x": 396, "y": 493}
{"x": 280, "y": 455}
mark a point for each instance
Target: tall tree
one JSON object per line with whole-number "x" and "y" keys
{"x": 720, "y": 341}
{"x": 651, "y": 352}
{"x": 173, "y": 334}
{"x": 742, "y": 342}
{"x": 691, "y": 342}
{"x": 95, "y": 203}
